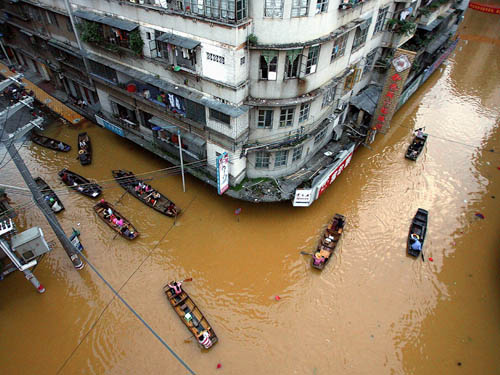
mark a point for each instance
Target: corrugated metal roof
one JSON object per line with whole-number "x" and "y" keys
{"x": 110, "y": 21}
{"x": 178, "y": 40}
{"x": 367, "y": 99}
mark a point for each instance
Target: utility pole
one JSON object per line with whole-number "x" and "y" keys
{"x": 39, "y": 200}
{"x": 180, "y": 156}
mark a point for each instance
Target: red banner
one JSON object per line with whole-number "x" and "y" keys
{"x": 485, "y": 8}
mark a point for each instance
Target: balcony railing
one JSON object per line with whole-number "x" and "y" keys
{"x": 349, "y": 4}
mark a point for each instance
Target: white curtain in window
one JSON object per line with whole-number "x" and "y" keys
{"x": 274, "y": 8}
{"x": 299, "y": 8}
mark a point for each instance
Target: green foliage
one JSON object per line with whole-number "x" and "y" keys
{"x": 401, "y": 27}
{"x": 252, "y": 40}
{"x": 90, "y": 32}
{"x": 135, "y": 42}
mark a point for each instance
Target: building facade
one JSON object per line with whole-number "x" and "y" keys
{"x": 269, "y": 82}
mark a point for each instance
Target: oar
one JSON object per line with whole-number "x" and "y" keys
{"x": 422, "y": 253}
{"x": 189, "y": 279}
{"x": 119, "y": 199}
{"x": 305, "y": 253}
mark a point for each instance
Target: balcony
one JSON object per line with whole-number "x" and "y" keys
{"x": 431, "y": 12}
{"x": 350, "y": 4}
{"x": 400, "y": 31}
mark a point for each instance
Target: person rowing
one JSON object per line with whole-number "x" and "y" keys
{"x": 415, "y": 242}
{"x": 176, "y": 287}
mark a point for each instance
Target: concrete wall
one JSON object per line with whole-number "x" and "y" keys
{"x": 236, "y": 164}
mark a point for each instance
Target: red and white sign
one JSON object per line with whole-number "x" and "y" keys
{"x": 304, "y": 197}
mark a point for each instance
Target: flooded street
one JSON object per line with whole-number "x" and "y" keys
{"x": 373, "y": 310}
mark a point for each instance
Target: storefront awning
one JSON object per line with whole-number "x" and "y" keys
{"x": 367, "y": 99}
{"x": 178, "y": 41}
{"x": 110, "y": 21}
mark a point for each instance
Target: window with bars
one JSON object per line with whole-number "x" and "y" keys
{"x": 219, "y": 116}
{"x": 321, "y": 6}
{"x": 304, "y": 112}
{"x": 286, "y": 117}
{"x": 273, "y": 8}
{"x": 339, "y": 45}
{"x": 297, "y": 154}
{"x": 292, "y": 63}
{"x": 380, "y": 23}
{"x": 312, "y": 59}
{"x": 300, "y": 8}
{"x": 265, "y": 119}
{"x": 224, "y": 10}
{"x": 262, "y": 159}
{"x": 319, "y": 137}
{"x": 329, "y": 96}
{"x": 360, "y": 35}
{"x": 268, "y": 65}
{"x": 280, "y": 158}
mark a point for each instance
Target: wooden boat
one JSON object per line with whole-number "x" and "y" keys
{"x": 79, "y": 183}
{"x": 418, "y": 228}
{"x": 49, "y": 194}
{"x": 84, "y": 151}
{"x": 100, "y": 208}
{"x": 128, "y": 181}
{"x": 49, "y": 142}
{"x": 328, "y": 242}
{"x": 190, "y": 315}
{"x": 416, "y": 147}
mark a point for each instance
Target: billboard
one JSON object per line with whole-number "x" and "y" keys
{"x": 304, "y": 197}
{"x": 222, "y": 164}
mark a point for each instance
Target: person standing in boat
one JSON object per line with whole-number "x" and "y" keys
{"x": 176, "y": 287}
{"x": 204, "y": 339}
{"x": 60, "y": 146}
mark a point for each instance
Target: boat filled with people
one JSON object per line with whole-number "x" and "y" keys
{"x": 145, "y": 193}
{"x": 328, "y": 242}
{"x": 48, "y": 194}
{"x": 417, "y": 145}
{"x": 84, "y": 149}
{"x": 80, "y": 183}
{"x": 51, "y": 143}
{"x": 115, "y": 220}
{"x": 190, "y": 314}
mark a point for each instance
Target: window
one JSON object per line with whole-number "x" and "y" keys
{"x": 216, "y": 58}
{"x": 329, "y": 96}
{"x": 321, "y": 6}
{"x": 352, "y": 78}
{"x": 265, "y": 120}
{"x": 242, "y": 61}
{"x": 338, "y": 47}
{"x": 273, "y": 8}
{"x": 379, "y": 25}
{"x": 268, "y": 65}
{"x": 297, "y": 154}
{"x": 286, "y": 117}
{"x": 225, "y": 10}
{"x": 360, "y": 35}
{"x": 172, "y": 54}
{"x": 220, "y": 117}
{"x": 148, "y": 36}
{"x": 292, "y": 63}
{"x": 262, "y": 159}
{"x": 312, "y": 59}
{"x": 300, "y": 8}
{"x": 280, "y": 158}
{"x": 319, "y": 137}
{"x": 304, "y": 111}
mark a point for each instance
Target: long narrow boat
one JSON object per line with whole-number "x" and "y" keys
{"x": 162, "y": 204}
{"x": 51, "y": 143}
{"x": 49, "y": 195}
{"x": 416, "y": 147}
{"x": 418, "y": 231}
{"x": 328, "y": 242}
{"x": 84, "y": 149}
{"x": 126, "y": 230}
{"x": 79, "y": 183}
{"x": 191, "y": 316}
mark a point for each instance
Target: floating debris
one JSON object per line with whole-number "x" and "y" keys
{"x": 277, "y": 298}
{"x": 479, "y": 215}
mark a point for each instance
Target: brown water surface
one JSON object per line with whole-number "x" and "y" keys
{"x": 373, "y": 310}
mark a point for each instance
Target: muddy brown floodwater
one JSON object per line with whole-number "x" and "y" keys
{"x": 373, "y": 310}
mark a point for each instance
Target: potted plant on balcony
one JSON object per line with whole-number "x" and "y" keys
{"x": 90, "y": 32}
{"x": 136, "y": 43}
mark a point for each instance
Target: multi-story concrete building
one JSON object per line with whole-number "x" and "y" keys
{"x": 270, "y": 82}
